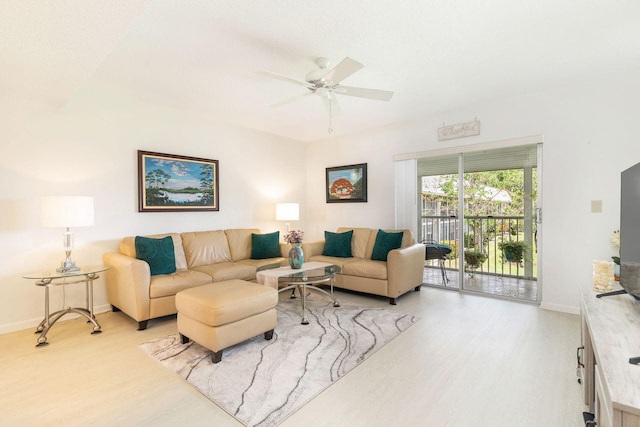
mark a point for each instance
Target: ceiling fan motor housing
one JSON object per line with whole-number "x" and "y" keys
{"x": 316, "y": 76}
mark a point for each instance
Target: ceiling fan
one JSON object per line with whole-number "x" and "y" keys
{"x": 326, "y": 84}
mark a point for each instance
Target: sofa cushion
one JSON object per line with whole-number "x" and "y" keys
{"x": 385, "y": 242}
{"x": 263, "y": 263}
{"x": 228, "y": 270}
{"x": 337, "y": 244}
{"x": 240, "y": 242}
{"x": 361, "y": 237}
{"x": 340, "y": 262}
{"x": 169, "y": 284}
{"x": 265, "y": 245}
{"x": 206, "y": 247}
{"x": 366, "y": 268}
{"x": 128, "y": 247}
{"x": 158, "y": 253}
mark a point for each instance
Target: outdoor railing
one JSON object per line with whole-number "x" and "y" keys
{"x": 485, "y": 233}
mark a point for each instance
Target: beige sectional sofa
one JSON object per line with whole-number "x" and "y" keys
{"x": 401, "y": 272}
{"x": 200, "y": 257}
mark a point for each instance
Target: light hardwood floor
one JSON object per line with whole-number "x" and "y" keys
{"x": 470, "y": 361}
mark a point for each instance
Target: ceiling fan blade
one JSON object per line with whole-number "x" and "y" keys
{"x": 289, "y": 100}
{"x": 343, "y": 70}
{"x": 361, "y": 92}
{"x": 285, "y": 78}
{"x": 332, "y": 105}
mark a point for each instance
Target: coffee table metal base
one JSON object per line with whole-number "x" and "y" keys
{"x": 303, "y": 287}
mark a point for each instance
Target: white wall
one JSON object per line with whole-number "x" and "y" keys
{"x": 589, "y": 138}
{"x": 90, "y": 148}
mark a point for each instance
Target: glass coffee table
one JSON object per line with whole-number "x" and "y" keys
{"x": 304, "y": 280}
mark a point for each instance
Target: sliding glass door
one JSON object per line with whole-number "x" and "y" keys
{"x": 439, "y": 225}
{"x": 478, "y": 207}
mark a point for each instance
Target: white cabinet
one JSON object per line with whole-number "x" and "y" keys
{"x": 610, "y": 336}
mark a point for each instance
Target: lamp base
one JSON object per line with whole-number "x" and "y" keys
{"x": 68, "y": 266}
{"x": 67, "y": 269}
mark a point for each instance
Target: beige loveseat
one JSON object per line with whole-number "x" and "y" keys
{"x": 201, "y": 257}
{"x": 402, "y": 272}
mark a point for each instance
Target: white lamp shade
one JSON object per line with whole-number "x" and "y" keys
{"x": 287, "y": 211}
{"x": 67, "y": 211}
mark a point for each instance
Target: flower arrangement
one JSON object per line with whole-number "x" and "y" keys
{"x": 615, "y": 242}
{"x": 294, "y": 236}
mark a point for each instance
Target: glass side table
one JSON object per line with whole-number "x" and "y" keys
{"x": 47, "y": 279}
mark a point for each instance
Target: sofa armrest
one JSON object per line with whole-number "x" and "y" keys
{"x": 284, "y": 250}
{"x": 405, "y": 269}
{"x": 127, "y": 282}
{"x": 311, "y": 249}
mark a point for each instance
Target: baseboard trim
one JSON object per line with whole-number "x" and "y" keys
{"x": 561, "y": 308}
{"x": 33, "y": 323}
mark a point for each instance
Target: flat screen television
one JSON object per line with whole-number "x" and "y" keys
{"x": 630, "y": 231}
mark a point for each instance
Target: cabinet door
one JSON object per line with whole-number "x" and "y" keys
{"x": 629, "y": 420}
{"x": 604, "y": 411}
{"x": 588, "y": 360}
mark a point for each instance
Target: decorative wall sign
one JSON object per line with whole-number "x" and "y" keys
{"x": 459, "y": 130}
{"x": 171, "y": 183}
{"x": 347, "y": 184}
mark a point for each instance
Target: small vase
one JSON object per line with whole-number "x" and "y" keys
{"x": 296, "y": 256}
{"x": 616, "y": 272}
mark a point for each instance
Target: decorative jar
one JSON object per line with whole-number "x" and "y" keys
{"x": 296, "y": 256}
{"x": 602, "y": 276}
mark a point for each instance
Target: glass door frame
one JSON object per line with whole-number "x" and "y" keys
{"x": 460, "y": 151}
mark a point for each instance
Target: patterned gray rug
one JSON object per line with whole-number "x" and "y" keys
{"x": 261, "y": 382}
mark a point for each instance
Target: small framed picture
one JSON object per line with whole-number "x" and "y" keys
{"x": 347, "y": 184}
{"x": 172, "y": 183}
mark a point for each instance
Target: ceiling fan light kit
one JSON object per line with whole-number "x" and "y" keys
{"x": 326, "y": 84}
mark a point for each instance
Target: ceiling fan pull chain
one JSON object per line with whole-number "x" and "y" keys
{"x": 330, "y": 117}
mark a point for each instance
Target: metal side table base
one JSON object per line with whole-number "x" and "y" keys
{"x": 49, "y": 321}
{"x": 46, "y": 280}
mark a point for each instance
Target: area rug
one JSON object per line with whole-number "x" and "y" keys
{"x": 261, "y": 382}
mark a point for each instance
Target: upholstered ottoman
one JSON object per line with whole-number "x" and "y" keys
{"x": 222, "y": 314}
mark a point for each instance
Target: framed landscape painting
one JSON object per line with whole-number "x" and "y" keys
{"x": 347, "y": 184}
{"x": 172, "y": 183}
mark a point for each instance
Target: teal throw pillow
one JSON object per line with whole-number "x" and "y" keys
{"x": 158, "y": 253}
{"x": 265, "y": 245}
{"x": 385, "y": 242}
{"x": 337, "y": 244}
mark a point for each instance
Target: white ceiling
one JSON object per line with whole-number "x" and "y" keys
{"x": 204, "y": 55}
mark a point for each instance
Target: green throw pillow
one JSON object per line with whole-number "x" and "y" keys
{"x": 265, "y": 245}
{"x": 385, "y": 242}
{"x": 158, "y": 253}
{"x": 337, "y": 244}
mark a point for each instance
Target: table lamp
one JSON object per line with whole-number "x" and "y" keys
{"x": 66, "y": 212}
{"x": 287, "y": 212}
